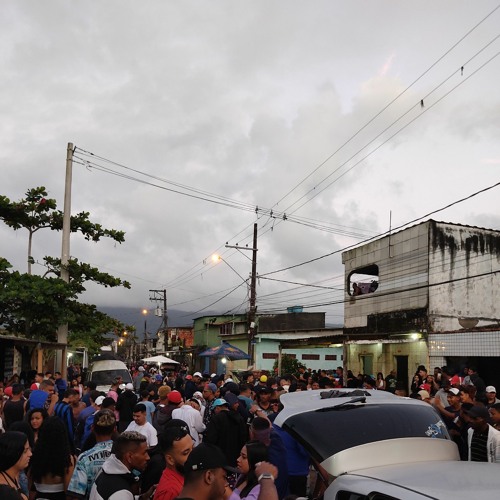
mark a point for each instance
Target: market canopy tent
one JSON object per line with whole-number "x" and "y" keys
{"x": 225, "y": 350}
{"x": 161, "y": 359}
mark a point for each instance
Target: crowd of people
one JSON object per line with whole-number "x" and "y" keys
{"x": 199, "y": 436}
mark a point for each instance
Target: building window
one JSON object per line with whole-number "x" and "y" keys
{"x": 363, "y": 280}
{"x": 310, "y": 357}
{"x": 330, "y": 357}
{"x": 269, "y": 355}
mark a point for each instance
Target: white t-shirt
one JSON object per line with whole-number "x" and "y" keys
{"x": 193, "y": 419}
{"x": 146, "y": 430}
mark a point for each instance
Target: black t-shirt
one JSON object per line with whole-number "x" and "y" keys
{"x": 13, "y": 411}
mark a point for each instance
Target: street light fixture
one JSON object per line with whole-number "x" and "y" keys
{"x": 216, "y": 258}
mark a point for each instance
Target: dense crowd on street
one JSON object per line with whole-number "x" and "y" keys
{"x": 204, "y": 436}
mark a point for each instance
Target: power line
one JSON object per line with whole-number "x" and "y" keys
{"x": 384, "y": 233}
{"x": 399, "y": 291}
{"x": 390, "y": 103}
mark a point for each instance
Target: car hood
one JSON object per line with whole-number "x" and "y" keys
{"x": 447, "y": 480}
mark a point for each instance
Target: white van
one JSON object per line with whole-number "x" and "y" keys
{"x": 104, "y": 371}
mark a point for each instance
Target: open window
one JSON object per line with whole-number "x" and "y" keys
{"x": 363, "y": 280}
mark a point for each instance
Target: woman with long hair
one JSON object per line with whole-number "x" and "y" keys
{"x": 380, "y": 381}
{"x": 35, "y": 419}
{"x": 15, "y": 453}
{"x": 247, "y": 484}
{"x": 52, "y": 463}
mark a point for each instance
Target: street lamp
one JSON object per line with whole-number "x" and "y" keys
{"x": 216, "y": 258}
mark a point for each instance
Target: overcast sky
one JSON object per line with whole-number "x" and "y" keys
{"x": 245, "y": 100}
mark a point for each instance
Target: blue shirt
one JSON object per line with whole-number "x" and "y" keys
{"x": 150, "y": 409}
{"x": 87, "y": 467}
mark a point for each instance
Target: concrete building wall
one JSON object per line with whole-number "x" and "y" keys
{"x": 384, "y": 357}
{"x": 464, "y": 259}
{"x": 325, "y": 356}
{"x": 207, "y": 329}
{"x": 402, "y": 261}
{"x": 290, "y": 321}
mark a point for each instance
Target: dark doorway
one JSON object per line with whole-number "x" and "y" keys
{"x": 402, "y": 371}
{"x": 487, "y": 367}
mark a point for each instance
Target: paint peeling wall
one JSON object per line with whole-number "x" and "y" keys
{"x": 402, "y": 260}
{"x": 464, "y": 289}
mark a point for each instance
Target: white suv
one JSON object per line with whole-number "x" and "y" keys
{"x": 372, "y": 445}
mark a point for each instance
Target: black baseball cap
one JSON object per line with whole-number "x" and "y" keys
{"x": 206, "y": 456}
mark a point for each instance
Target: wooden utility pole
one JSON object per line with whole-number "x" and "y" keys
{"x": 62, "y": 331}
{"x": 253, "y": 298}
{"x": 253, "y": 294}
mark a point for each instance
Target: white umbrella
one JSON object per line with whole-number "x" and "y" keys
{"x": 161, "y": 359}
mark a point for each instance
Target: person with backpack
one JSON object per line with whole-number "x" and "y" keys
{"x": 164, "y": 411}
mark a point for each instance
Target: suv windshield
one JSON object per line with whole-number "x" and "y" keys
{"x": 106, "y": 377}
{"x": 330, "y": 430}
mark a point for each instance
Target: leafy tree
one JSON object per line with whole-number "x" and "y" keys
{"x": 289, "y": 364}
{"x": 36, "y": 211}
{"x": 40, "y": 304}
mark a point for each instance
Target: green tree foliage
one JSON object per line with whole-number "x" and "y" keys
{"x": 36, "y": 211}
{"x": 38, "y": 305}
{"x": 289, "y": 364}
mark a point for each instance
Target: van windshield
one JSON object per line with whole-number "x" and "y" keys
{"x": 106, "y": 377}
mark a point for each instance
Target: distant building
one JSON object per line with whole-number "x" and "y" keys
{"x": 176, "y": 343}
{"x": 301, "y": 335}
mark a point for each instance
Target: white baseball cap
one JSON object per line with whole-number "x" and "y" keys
{"x": 197, "y": 374}
{"x": 490, "y": 388}
{"x": 99, "y": 400}
{"x": 129, "y": 387}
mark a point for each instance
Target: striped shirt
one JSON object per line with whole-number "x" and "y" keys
{"x": 478, "y": 447}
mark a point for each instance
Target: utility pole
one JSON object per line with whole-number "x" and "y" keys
{"x": 157, "y": 296}
{"x": 253, "y": 295}
{"x": 62, "y": 331}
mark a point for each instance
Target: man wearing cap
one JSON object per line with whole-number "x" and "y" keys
{"x": 162, "y": 414}
{"x": 210, "y": 392}
{"x": 176, "y": 444}
{"x": 190, "y": 413}
{"x": 125, "y": 406}
{"x": 90, "y": 462}
{"x": 205, "y": 476}
{"x": 89, "y": 421}
{"x": 491, "y": 396}
{"x": 483, "y": 439}
{"x": 425, "y": 396}
{"x": 138, "y": 378}
{"x": 192, "y": 385}
{"x": 141, "y": 425}
{"x": 263, "y": 398}
{"x": 262, "y": 382}
{"x": 227, "y": 430}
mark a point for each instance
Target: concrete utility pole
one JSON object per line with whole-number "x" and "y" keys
{"x": 156, "y": 296}
{"x": 62, "y": 331}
